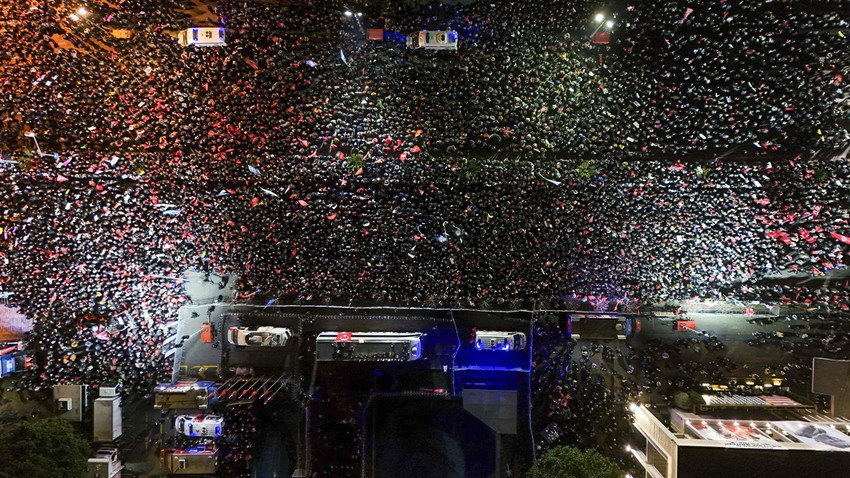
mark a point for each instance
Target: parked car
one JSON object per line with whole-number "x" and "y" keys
{"x": 264, "y": 336}
{"x": 199, "y": 425}
{"x": 497, "y": 340}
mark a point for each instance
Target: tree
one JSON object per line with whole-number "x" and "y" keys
{"x": 569, "y": 462}
{"x": 355, "y": 161}
{"x": 586, "y": 169}
{"x": 48, "y": 448}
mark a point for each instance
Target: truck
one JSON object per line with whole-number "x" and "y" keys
{"x": 433, "y": 40}
{"x": 14, "y": 359}
{"x": 107, "y": 418}
{"x": 105, "y": 464}
{"x": 369, "y": 346}
{"x": 499, "y": 340}
{"x": 196, "y": 460}
{"x": 600, "y": 326}
{"x": 188, "y": 393}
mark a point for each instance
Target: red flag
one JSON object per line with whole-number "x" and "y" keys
{"x": 763, "y": 202}
{"x": 688, "y": 12}
{"x": 415, "y": 149}
{"x": 343, "y": 337}
{"x": 254, "y": 202}
{"x": 302, "y": 202}
{"x": 331, "y": 217}
{"x": 60, "y": 178}
{"x": 844, "y": 239}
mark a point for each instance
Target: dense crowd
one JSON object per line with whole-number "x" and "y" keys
{"x": 531, "y": 164}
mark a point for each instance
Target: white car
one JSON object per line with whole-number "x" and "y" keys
{"x": 265, "y": 336}
{"x": 499, "y": 341}
{"x": 433, "y": 40}
{"x": 199, "y": 425}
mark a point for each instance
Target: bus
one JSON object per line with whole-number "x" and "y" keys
{"x": 599, "y": 326}
{"x": 369, "y": 346}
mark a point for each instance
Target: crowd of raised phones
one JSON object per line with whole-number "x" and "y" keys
{"x": 698, "y": 154}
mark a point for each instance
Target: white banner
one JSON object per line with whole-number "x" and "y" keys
{"x": 816, "y": 436}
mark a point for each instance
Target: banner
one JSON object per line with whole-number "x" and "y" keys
{"x": 844, "y": 239}
{"x": 815, "y": 435}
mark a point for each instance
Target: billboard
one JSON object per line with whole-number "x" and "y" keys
{"x": 820, "y": 437}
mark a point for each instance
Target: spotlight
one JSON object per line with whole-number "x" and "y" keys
{"x": 599, "y": 17}
{"x": 347, "y": 13}
{"x": 609, "y": 23}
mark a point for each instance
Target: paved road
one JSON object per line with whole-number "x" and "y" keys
{"x": 209, "y": 298}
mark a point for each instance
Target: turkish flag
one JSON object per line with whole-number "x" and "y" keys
{"x": 844, "y": 239}
{"x": 343, "y": 337}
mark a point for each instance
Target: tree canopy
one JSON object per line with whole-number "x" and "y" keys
{"x": 48, "y": 448}
{"x": 569, "y": 462}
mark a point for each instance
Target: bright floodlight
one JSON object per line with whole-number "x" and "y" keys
{"x": 599, "y": 17}
{"x": 347, "y": 13}
{"x": 609, "y": 23}
{"x": 74, "y": 17}
{"x": 82, "y": 11}
{"x": 359, "y": 14}
{"x": 29, "y": 134}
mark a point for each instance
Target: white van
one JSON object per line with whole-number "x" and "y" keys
{"x": 209, "y": 426}
{"x": 433, "y": 40}
{"x": 202, "y": 36}
{"x": 264, "y": 336}
{"x": 500, "y": 341}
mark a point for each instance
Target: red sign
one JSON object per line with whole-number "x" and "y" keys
{"x": 602, "y": 38}
{"x": 375, "y": 34}
{"x": 10, "y": 349}
{"x": 686, "y": 325}
{"x": 207, "y": 333}
{"x": 343, "y": 337}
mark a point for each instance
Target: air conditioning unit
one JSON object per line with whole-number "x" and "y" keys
{"x": 112, "y": 391}
{"x": 65, "y": 404}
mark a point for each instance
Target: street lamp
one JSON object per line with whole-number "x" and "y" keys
{"x": 599, "y": 17}
{"x": 609, "y": 23}
{"x": 347, "y": 13}
{"x": 82, "y": 11}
